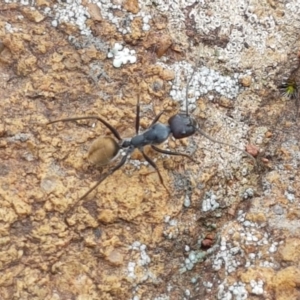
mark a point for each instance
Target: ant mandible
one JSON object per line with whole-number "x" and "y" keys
{"x": 103, "y": 150}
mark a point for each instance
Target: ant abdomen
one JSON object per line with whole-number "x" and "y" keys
{"x": 103, "y": 150}
{"x": 182, "y": 126}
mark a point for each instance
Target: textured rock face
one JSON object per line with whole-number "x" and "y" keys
{"x": 221, "y": 228}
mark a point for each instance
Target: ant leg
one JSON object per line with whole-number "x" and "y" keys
{"x": 152, "y": 163}
{"x": 137, "y": 118}
{"x": 118, "y": 166}
{"x": 172, "y": 153}
{"x": 110, "y": 127}
{"x": 157, "y": 118}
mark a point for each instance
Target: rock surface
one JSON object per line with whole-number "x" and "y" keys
{"x": 222, "y": 228}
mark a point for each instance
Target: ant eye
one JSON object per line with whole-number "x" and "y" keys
{"x": 182, "y": 126}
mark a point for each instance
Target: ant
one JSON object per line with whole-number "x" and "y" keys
{"x": 105, "y": 149}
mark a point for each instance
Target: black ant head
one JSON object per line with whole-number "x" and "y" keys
{"x": 182, "y": 126}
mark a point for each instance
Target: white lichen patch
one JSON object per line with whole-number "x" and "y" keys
{"x": 244, "y": 25}
{"x": 172, "y": 231}
{"x": 131, "y": 269}
{"x": 209, "y": 202}
{"x": 257, "y": 287}
{"x": 122, "y": 21}
{"x": 72, "y": 12}
{"x": 236, "y": 291}
{"x": 121, "y": 55}
{"x": 202, "y": 81}
{"x": 233, "y": 256}
{"x": 193, "y": 258}
{"x": 141, "y": 260}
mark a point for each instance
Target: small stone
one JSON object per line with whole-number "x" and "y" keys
{"x": 187, "y": 202}
{"x": 107, "y": 216}
{"x": 132, "y": 6}
{"x": 225, "y": 102}
{"x": 210, "y": 236}
{"x": 246, "y": 81}
{"x": 167, "y": 74}
{"x": 33, "y": 15}
{"x": 272, "y": 249}
{"x": 94, "y": 11}
{"x": 207, "y": 243}
{"x": 54, "y": 23}
{"x": 268, "y": 134}
{"x": 163, "y": 45}
{"x": 247, "y": 223}
{"x": 252, "y": 149}
{"x": 278, "y": 210}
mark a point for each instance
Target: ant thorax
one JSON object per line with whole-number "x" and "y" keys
{"x": 154, "y": 135}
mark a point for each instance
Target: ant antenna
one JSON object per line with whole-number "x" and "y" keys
{"x": 206, "y": 135}
{"x": 226, "y": 144}
{"x": 187, "y": 92}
